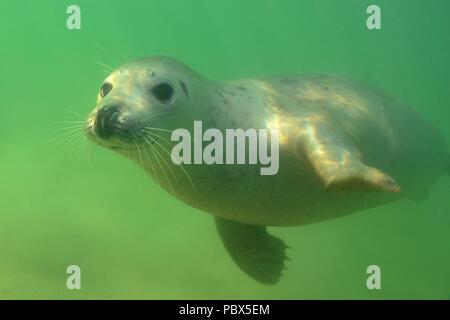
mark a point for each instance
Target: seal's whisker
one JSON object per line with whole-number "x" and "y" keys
{"x": 159, "y": 136}
{"x": 65, "y": 134}
{"x": 141, "y": 161}
{"x": 131, "y": 145}
{"x": 108, "y": 68}
{"x": 183, "y": 170}
{"x": 71, "y": 145}
{"x": 87, "y": 151}
{"x": 181, "y": 166}
{"x": 75, "y": 113}
{"x": 84, "y": 151}
{"x": 154, "y": 115}
{"x": 69, "y": 136}
{"x": 161, "y": 166}
{"x": 76, "y": 143}
{"x": 159, "y": 129}
{"x": 99, "y": 46}
{"x": 70, "y": 121}
{"x": 139, "y": 153}
{"x": 71, "y": 129}
{"x": 169, "y": 131}
{"x": 64, "y": 137}
{"x": 162, "y": 169}
{"x": 71, "y": 126}
{"x": 161, "y": 157}
{"x": 152, "y": 167}
{"x": 78, "y": 150}
{"x": 78, "y": 126}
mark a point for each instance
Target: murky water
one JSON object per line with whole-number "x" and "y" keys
{"x": 130, "y": 238}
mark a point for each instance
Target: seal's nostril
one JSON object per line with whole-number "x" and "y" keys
{"x": 106, "y": 121}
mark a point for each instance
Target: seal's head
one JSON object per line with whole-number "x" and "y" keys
{"x": 155, "y": 93}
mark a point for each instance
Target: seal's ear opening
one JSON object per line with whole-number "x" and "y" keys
{"x": 163, "y": 91}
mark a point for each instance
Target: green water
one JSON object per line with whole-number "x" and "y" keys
{"x": 132, "y": 239}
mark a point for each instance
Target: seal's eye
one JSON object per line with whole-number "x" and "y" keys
{"x": 105, "y": 89}
{"x": 163, "y": 91}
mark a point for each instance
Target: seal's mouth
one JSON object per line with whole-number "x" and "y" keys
{"x": 121, "y": 138}
{"x": 111, "y": 128}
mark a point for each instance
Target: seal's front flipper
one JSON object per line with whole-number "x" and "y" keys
{"x": 338, "y": 164}
{"x": 361, "y": 178}
{"x": 253, "y": 249}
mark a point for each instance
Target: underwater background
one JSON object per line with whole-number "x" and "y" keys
{"x": 59, "y": 207}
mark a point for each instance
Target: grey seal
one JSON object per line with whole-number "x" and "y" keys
{"x": 344, "y": 147}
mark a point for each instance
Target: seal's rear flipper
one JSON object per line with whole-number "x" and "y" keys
{"x": 253, "y": 249}
{"x": 338, "y": 164}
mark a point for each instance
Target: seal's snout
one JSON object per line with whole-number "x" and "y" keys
{"x": 106, "y": 121}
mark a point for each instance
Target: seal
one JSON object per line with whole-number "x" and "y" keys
{"x": 343, "y": 147}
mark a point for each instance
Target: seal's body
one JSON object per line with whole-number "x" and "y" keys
{"x": 344, "y": 147}
{"x": 335, "y": 135}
